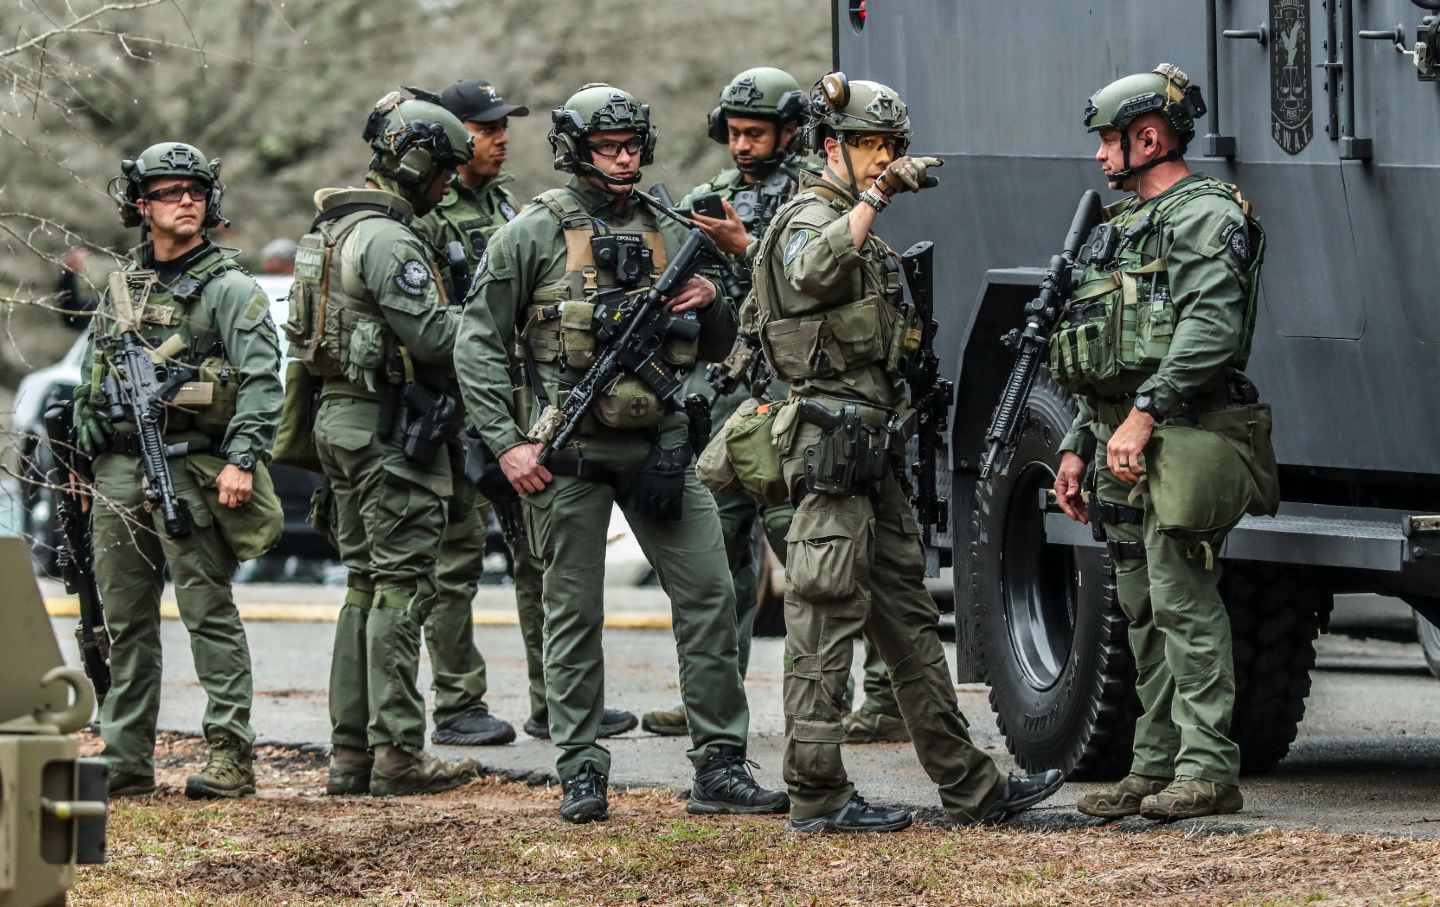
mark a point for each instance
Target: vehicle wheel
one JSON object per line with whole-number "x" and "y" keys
{"x": 1051, "y": 635}
{"x": 1275, "y": 616}
{"x": 1429, "y": 643}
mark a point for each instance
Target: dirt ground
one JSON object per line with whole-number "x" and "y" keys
{"x": 500, "y": 841}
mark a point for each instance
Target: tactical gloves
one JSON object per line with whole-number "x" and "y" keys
{"x": 92, "y": 430}
{"x": 907, "y": 174}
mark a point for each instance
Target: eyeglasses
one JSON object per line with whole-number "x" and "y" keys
{"x": 174, "y": 193}
{"x": 873, "y": 143}
{"x": 613, "y": 149}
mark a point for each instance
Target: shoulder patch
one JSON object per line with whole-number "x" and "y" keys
{"x": 797, "y": 242}
{"x": 1238, "y": 244}
{"x": 413, "y": 278}
{"x": 507, "y": 210}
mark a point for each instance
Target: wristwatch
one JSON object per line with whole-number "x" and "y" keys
{"x": 245, "y": 461}
{"x": 1145, "y": 402}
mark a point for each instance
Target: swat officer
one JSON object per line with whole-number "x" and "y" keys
{"x": 535, "y": 294}
{"x": 759, "y": 117}
{"x": 1187, "y": 245}
{"x": 369, "y": 318}
{"x": 189, "y": 298}
{"x": 826, "y": 289}
{"x": 476, "y": 205}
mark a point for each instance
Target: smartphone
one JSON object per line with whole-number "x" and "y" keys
{"x": 710, "y": 206}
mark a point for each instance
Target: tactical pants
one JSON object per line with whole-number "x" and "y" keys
{"x": 529, "y": 581}
{"x": 842, "y": 550}
{"x": 1180, "y": 637}
{"x": 389, "y": 524}
{"x": 567, "y": 525}
{"x": 456, "y": 665}
{"x": 131, "y": 553}
{"x": 738, "y": 513}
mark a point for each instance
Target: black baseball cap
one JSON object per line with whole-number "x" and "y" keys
{"x": 478, "y": 101}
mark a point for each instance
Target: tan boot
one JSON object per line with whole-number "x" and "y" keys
{"x": 1121, "y": 800}
{"x": 349, "y": 772}
{"x": 867, "y": 726}
{"x": 399, "y": 772}
{"x": 666, "y": 722}
{"x": 228, "y": 773}
{"x": 1189, "y": 798}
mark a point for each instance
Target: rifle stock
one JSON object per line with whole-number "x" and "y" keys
{"x": 1030, "y": 345}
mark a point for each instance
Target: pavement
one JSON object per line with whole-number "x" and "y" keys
{"x": 1367, "y": 759}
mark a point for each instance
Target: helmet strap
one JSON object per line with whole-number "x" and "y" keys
{"x": 590, "y": 169}
{"x": 849, "y": 165}
{"x": 1120, "y": 176}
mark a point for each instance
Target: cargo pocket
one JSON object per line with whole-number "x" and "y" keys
{"x": 364, "y": 353}
{"x": 825, "y": 555}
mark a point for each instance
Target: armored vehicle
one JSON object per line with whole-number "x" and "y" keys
{"x": 1325, "y": 114}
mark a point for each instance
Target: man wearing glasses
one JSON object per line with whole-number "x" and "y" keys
{"x": 534, "y": 297}
{"x": 828, "y": 292}
{"x": 189, "y": 297}
{"x": 476, "y": 206}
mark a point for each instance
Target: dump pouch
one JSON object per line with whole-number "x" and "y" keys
{"x": 295, "y": 436}
{"x": 252, "y": 528}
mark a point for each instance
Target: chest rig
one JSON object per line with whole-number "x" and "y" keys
{"x": 1120, "y": 320}
{"x": 568, "y": 319}
{"x": 335, "y": 326}
{"x": 868, "y": 330}
{"x": 474, "y": 219}
{"x": 173, "y": 322}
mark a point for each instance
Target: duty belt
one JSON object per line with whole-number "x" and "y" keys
{"x": 1118, "y": 514}
{"x": 128, "y": 443}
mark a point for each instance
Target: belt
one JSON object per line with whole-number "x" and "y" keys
{"x": 570, "y": 462}
{"x": 1126, "y": 551}
{"x": 128, "y": 443}
{"x": 1118, "y": 514}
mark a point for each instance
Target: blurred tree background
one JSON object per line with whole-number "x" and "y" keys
{"x": 279, "y": 90}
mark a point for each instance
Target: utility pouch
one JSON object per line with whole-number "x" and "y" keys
{"x": 577, "y": 334}
{"x": 295, "y": 437}
{"x": 658, "y": 490}
{"x": 628, "y": 404}
{"x": 364, "y": 354}
{"x": 746, "y": 447}
{"x": 254, "y": 527}
{"x": 213, "y": 416}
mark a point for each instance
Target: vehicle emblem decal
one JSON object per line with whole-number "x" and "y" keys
{"x": 1292, "y": 96}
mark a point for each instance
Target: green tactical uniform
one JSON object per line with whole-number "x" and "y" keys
{"x": 1161, "y": 321}
{"x": 469, "y": 215}
{"x": 529, "y": 299}
{"x": 223, "y": 317}
{"x": 830, "y": 328}
{"x": 1191, "y": 331}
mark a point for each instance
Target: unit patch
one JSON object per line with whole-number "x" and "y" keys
{"x": 1292, "y": 101}
{"x": 507, "y": 210}
{"x": 796, "y": 243}
{"x": 1239, "y": 245}
{"x": 413, "y": 278}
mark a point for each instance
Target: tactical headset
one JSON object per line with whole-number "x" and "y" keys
{"x": 127, "y": 189}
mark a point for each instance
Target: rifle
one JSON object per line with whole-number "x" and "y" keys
{"x": 746, "y": 366}
{"x": 141, "y": 383}
{"x": 76, "y": 555}
{"x": 1030, "y": 345}
{"x": 929, "y": 393}
{"x": 457, "y": 268}
{"x": 630, "y": 330}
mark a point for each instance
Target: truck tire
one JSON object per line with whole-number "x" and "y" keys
{"x": 1051, "y": 636}
{"x": 1276, "y": 614}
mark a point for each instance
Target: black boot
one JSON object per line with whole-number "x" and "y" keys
{"x": 612, "y": 722}
{"x": 585, "y": 798}
{"x": 475, "y": 727}
{"x": 1020, "y": 792}
{"x": 724, "y": 785}
{"x": 855, "y": 816}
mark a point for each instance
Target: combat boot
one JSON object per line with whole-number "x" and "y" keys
{"x": 228, "y": 773}
{"x": 1122, "y": 799}
{"x": 349, "y": 771}
{"x": 1190, "y": 798}
{"x": 855, "y": 817}
{"x": 866, "y": 725}
{"x": 725, "y": 785}
{"x": 120, "y": 783}
{"x": 666, "y": 722}
{"x": 586, "y": 798}
{"x": 1017, "y": 794}
{"x": 612, "y": 722}
{"x": 399, "y": 772}
{"x": 474, "y": 727}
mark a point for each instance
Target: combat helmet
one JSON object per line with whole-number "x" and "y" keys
{"x": 765, "y": 93}
{"x": 414, "y": 138}
{"x": 1165, "y": 90}
{"x": 598, "y": 107}
{"x": 167, "y": 159}
{"x": 840, "y": 107}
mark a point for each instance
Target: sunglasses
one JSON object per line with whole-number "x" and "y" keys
{"x": 174, "y": 194}
{"x": 613, "y": 149}
{"x": 873, "y": 143}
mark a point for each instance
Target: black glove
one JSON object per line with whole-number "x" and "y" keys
{"x": 659, "y": 488}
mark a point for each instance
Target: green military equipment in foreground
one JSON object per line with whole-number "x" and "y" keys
{"x": 52, "y": 804}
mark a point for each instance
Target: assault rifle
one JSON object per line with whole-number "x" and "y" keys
{"x": 631, "y": 330}
{"x": 929, "y": 393}
{"x": 75, "y": 556}
{"x": 141, "y": 383}
{"x": 1030, "y": 345}
{"x": 744, "y": 367}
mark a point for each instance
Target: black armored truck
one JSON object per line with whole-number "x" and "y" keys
{"x": 1327, "y": 114}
